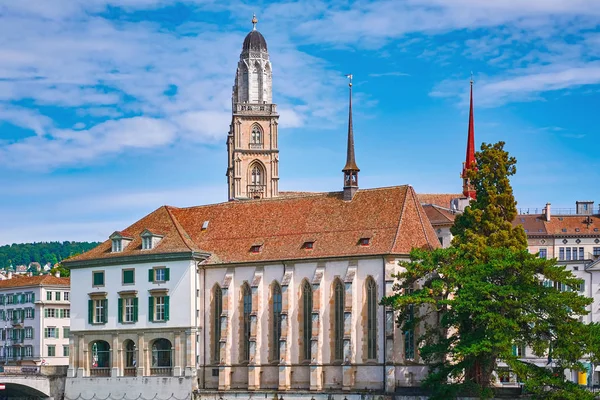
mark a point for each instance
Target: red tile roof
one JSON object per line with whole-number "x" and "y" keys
{"x": 560, "y": 225}
{"x": 438, "y": 215}
{"x": 438, "y": 199}
{"x": 42, "y": 280}
{"x": 392, "y": 217}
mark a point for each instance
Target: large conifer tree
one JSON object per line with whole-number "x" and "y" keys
{"x": 486, "y": 295}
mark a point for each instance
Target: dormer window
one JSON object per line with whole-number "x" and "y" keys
{"x": 149, "y": 239}
{"x": 119, "y": 242}
{"x": 365, "y": 241}
{"x": 255, "y": 248}
{"x": 308, "y": 245}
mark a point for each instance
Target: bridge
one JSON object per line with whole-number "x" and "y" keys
{"x": 32, "y": 382}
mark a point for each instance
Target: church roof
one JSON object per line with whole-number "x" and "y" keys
{"x": 254, "y": 41}
{"x": 278, "y": 228}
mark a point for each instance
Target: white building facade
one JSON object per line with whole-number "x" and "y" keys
{"x": 35, "y": 318}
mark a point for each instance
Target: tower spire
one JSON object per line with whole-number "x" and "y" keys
{"x": 350, "y": 169}
{"x": 469, "y": 164}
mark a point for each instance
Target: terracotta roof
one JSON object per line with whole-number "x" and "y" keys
{"x": 24, "y": 281}
{"x": 438, "y": 215}
{"x": 391, "y": 217}
{"x": 438, "y": 199}
{"x": 560, "y": 225}
{"x": 297, "y": 194}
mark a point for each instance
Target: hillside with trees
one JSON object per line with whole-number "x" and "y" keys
{"x": 42, "y": 252}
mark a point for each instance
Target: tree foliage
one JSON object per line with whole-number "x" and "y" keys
{"x": 42, "y": 252}
{"x": 486, "y": 294}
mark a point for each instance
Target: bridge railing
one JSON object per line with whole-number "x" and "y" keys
{"x": 45, "y": 370}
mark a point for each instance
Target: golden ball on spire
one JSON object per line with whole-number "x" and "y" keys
{"x": 254, "y": 21}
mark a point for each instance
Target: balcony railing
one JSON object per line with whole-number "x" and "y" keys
{"x": 100, "y": 371}
{"x": 256, "y": 146}
{"x": 256, "y": 190}
{"x": 256, "y": 108}
{"x": 161, "y": 371}
{"x": 130, "y": 371}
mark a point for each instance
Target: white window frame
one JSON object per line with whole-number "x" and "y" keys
{"x": 99, "y": 311}
{"x": 128, "y": 309}
{"x": 159, "y": 308}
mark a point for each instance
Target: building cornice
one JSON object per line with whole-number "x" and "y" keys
{"x": 137, "y": 259}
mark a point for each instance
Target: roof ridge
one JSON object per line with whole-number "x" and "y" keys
{"x": 177, "y": 227}
{"x": 400, "y": 220}
{"x": 418, "y": 205}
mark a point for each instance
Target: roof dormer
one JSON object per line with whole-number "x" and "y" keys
{"x": 119, "y": 241}
{"x": 150, "y": 239}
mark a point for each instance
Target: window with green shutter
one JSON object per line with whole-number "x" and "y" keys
{"x": 48, "y": 295}
{"x": 166, "y": 308}
{"x": 98, "y": 278}
{"x": 135, "y": 309}
{"x": 90, "y": 311}
{"x": 128, "y": 276}
{"x": 151, "y": 308}
{"x": 120, "y": 310}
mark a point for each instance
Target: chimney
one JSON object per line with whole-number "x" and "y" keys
{"x": 9, "y": 276}
{"x": 29, "y": 273}
{"x": 57, "y": 274}
{"x": 547, "y": 212}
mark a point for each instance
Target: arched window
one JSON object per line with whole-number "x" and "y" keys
{"x": 100, "y": 361}
{"x": 161, "y": 357}
{"x": 338, "y": 320}
{"x": 217, "y": 310}
{"x": 256, "y": 135}
{"x": 247, "y": 309}
{"x": 130, "y": 358}
{"x": 256, "y": 175}
{"x": 276, "y": 322}
{"x": 371, "y": 319}
{"x": 307, "y": 306}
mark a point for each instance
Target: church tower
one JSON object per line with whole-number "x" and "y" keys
{"x": 350, "y": 169}
{"x": 469, "y": 164}
{"x": 253, "y": 154}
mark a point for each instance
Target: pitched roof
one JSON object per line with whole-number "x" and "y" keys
{"x": 438, "y": 199}
{"x": 40, "y": 280}
{"x": 391, "y": 217}
{"x": 438, "y": 215}
{"x": 560, "y": 225}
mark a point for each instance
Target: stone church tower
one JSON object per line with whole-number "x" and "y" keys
{"x": 252, "y": 150}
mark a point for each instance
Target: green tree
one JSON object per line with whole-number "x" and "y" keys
{"x": 486, "y": 295}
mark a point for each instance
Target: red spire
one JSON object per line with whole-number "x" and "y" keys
{"x": 468, "y": 189}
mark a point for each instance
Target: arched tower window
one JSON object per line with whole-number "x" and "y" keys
{"x": 276, "y": 321}
{"x": 257, "y": 175}
{"x": 217, "y": 310}
{"x": 338, "y": 320}
{"x": 307, "y": 306}
{"x": 247, "y": 310}
{"x": 256, "y": 137}
{"x": 371, "y": 319}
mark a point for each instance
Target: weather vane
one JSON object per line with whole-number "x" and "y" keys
{"x": 349, "y": 76}
{"x": 472, "y": 78}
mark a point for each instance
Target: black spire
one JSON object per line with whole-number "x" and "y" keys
{"x": 350, "y": 169}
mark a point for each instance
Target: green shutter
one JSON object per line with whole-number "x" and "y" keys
{"x": 91, "y": 311}
{"x": 151, "y": 275}
{"x": 32, "y": 313}
{"x": 105, "y": 306}
{"x": 135, "y": 309}
{"x": 167, "y": 274}
{"x": 33, "y": 297}
{"x": 150, "y": 308}
{"x": 56, "y": 333}
{"x": 514, "y": 350}
{"x": 120, "y": 311}
{"x": 166, "y": 307}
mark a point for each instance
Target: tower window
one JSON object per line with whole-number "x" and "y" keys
{"x": 256, "y": 175}
{"x": 256, "y": 135}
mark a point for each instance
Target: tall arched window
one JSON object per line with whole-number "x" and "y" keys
{"x": 247, "y": 309}
{"x": 338, "y": 320}
{"x": 217, "y": 310}
{"x": 256, "y": 135}
{"x": 276, "y": 322}
{"x": 256, "y": 175}
{"x": 371, "y": 319}
{"x": 307, "y": 305}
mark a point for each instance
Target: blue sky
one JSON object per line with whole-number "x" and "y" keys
{"x": 111, "y": 108}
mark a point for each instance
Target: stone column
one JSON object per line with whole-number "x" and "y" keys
{"x": 73, "y": 357}
{"x": 82, "y": 364}
{"x": 390, "y": 369}
{"x": 285, "y": 369}
{"x": 316, "y": 354}
{"x": 115, "y": 353}
{"x": 190, "y": 352}
{"x": 226, "y": 335}
{"x": 177, "y": 353}
{"x": 255, "y": 334}
{"x": 348, "y": 368}
{"x": 141, "y": 362}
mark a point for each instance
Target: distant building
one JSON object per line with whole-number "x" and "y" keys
{"x": 34, "y": 320}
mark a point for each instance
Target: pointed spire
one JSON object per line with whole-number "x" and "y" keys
{"x": 350, "y": 169}
{"x": 254, "y": 22}
{"x": 468, "y": 189}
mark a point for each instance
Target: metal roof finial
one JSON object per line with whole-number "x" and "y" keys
{"x": 254, "y": 22}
